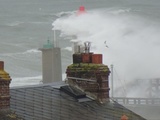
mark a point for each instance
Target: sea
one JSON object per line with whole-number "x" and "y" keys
{"x": 126, "y": 32}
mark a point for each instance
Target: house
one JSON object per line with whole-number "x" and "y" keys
{"x": 83, "y": 96}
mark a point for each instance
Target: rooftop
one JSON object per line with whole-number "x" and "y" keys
{"x": 59, "y": 101}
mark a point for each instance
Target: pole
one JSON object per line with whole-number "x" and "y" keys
{"x": 112, "y": 89}
{"x": 55, "y": 42}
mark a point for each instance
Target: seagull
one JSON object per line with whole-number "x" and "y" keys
{"x": 106, "y": 44}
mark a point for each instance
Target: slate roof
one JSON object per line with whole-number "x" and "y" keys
{"x": 49, "y": 102}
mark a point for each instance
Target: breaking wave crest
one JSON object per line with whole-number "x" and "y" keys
{"x": 68, "y": 48}
{"x": 23, "y": 81}
{"x": 31, "y": 51}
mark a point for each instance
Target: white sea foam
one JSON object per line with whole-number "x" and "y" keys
{"x": 16, "y": 23}
{"x": 68, "y": 48}
{"x": 23, "y": 81}
{"x": 133, "y": 41}
{"x": 31, "y": 51}
{"x": 121, "y": 11}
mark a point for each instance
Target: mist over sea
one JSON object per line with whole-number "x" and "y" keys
{"x": 130, "y": 28}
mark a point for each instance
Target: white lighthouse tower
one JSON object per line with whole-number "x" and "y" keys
{"x": 51, "y": 63}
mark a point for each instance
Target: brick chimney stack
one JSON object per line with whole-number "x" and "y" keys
{"x": 1, "y": 65}
{"x": 89, "y": 74}
{"x": 4, "y": 87}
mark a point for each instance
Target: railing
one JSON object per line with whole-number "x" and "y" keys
{"x": 137, "y": 101}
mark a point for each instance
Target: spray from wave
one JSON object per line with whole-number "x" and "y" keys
{"x": 132, "y": 41}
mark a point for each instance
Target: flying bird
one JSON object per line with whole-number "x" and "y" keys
{"x": 106, "y": 44}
